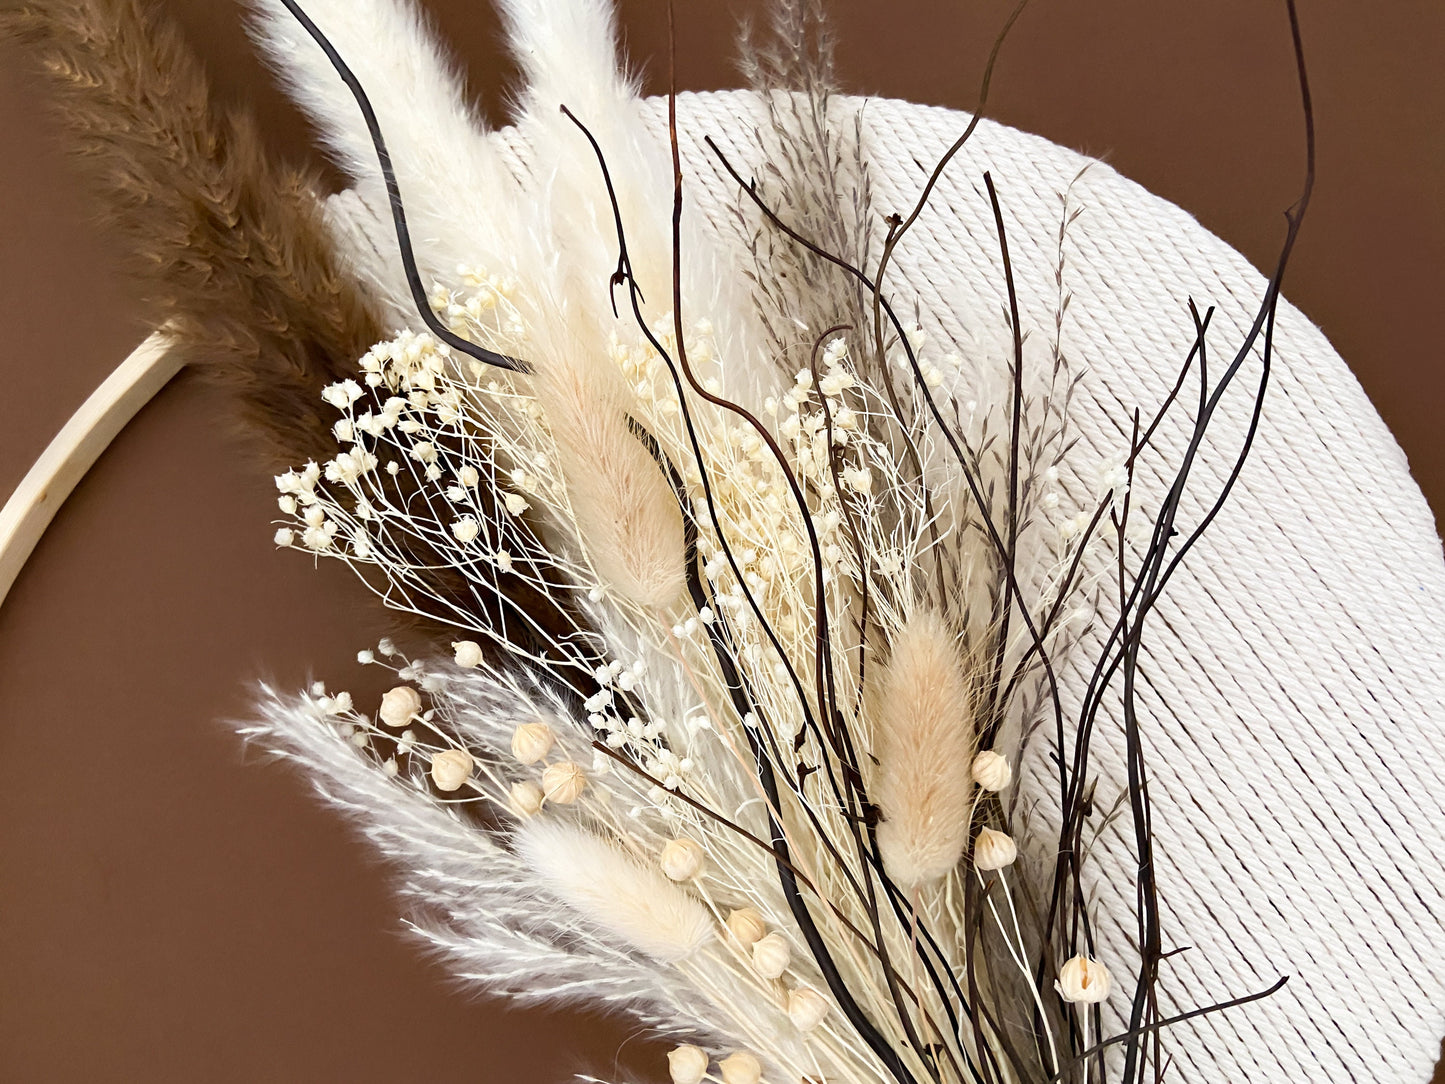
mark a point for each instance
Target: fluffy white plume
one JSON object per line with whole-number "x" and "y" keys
{"x": 924, "y": 737}
{"x": 567, "y": 50}
{"x": 452, "y": 180}
{"x": 635, "y": 903}
{"x": 473, "y": 900}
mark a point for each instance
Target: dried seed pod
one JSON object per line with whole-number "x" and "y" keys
{"x": 687, "y": 1064}
{"x": 771, "y": 956}
{"x": 468, "y": 653}
{"x": 525, "y": 798}
{"x": 532, "y": 741}
{"x": 1082, "y": 980}
{"x": 563, "y": 782}
{"x": 806, "y": 1008}
{"x": 451, "y": 768}
{"x": 682, "y": 859}
{"x": 991, "y": 770}
{"x": 747, "y": 926}
{"x": 399, "y": 706}
{"x": 741, "y": 1068}
{"x": 994, "y": 850}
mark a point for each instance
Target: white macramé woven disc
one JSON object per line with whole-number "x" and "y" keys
{"x": 1294, "y": 698}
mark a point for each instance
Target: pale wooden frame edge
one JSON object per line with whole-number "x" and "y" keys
{"x": 76, "y": 448}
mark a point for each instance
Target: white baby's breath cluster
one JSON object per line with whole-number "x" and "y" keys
{"x": 631, "y": 780}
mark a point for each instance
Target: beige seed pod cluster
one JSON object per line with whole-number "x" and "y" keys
{"x": 924, "y": 735}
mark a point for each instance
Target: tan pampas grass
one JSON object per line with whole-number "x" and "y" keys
{"x": 635, "y": 903}
{"x": 924, "y": 744}
{"x": 229, "y": 246}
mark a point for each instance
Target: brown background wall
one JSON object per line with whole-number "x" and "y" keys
{"x": 170, "y": 910}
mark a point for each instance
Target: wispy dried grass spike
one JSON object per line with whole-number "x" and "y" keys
{"x": 626, "y": 514}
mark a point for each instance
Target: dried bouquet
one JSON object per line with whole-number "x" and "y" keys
{"x": 758, "y": 595}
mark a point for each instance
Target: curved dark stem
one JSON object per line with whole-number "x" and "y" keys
{"x": 958, "y": 445}
{"x": 1157, "y": 574}
{"x": 823, "y": 663}
{"x": 1015, "y": 425}
{"x": 736, "y": 682}
{"x": 1159, "y": 1025}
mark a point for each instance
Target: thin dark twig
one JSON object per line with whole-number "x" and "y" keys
{"x": 1159, "y": 1025}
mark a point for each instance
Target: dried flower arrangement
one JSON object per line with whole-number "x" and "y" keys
{"x": 757, "y": 601}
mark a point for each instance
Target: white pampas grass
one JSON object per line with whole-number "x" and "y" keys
{"x": 451, "y": 179}
{"x": 924, "y": 737}
{"x": 567, "y": 49}
{"x": 472, "y": 900}
{"x": 634, "y": 903}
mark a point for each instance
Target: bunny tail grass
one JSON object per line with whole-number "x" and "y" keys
{"x": 925, "y": 748}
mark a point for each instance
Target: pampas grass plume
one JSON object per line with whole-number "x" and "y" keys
{"x": 924, "y": 738}
{"x": 228, "y": 246}
{"x": 635, "y": 903}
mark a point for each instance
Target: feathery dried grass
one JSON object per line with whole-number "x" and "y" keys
{"x": 620, "y": 500}
{"x": 230, "y": 246}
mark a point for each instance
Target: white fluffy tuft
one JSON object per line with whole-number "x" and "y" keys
{"x": 451, "y": 178}
{"x": 635, "y": 903}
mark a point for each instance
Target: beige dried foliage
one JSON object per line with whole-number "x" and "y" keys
{"x": 635, "y": 903}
